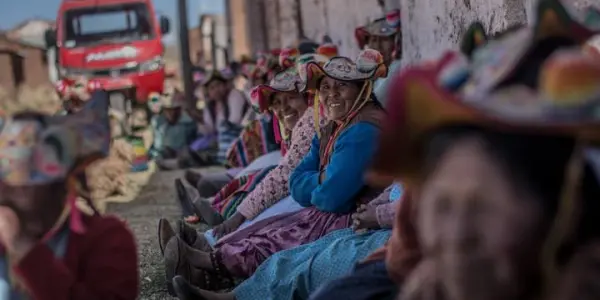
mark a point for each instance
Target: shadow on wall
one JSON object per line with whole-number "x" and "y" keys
{"x": 428, "y": 30}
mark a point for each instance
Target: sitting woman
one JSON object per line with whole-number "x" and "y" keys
{"x": 337, "y": 159}
{"x": 507, "y": 205}
{"x": 49, "y": 249}
{"x": 258, "y": 192}
{"x": 308, "y": 267}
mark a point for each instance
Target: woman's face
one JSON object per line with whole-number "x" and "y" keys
{"x": 38, "y": 207}
{"x": 216, "y": 90}
{"x": 338, "y": 97}
{"x": 289, "y": 107}
{"x": 480, "y": 231}
{"x": 385, "y": 45}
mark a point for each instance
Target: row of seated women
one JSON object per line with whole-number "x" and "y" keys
{"x": 248, "y": 196}
{"x": 499, "y": 176}
{"x": 262, "y": 238}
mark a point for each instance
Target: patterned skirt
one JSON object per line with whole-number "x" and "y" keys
{"x": 244, "y": 250}
{"x": 298, "y": 272}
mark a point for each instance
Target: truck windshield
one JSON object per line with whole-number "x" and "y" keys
{"x": 107, "y": 24}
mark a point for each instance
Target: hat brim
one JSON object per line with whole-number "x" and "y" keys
{"x": 420, "y": 106}
{"x": 262, "y": 94}
{"x": 315, "y": 72}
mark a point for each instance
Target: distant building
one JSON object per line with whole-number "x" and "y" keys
{"x": 213, "y": 49}
{"x": 22, "y": 64}
{"x": 23, "y": 57}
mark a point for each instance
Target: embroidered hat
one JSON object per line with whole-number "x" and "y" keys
{"x": 287, "y": 81}
{"x": 264, "y": 65}
{"x": 367, "y": 66}
{"x": 288, "y": 56}
{"x": 386, "y": 26}
{"x": 251, "y": 71}
{"x": 41, "y": 149}
{"x": 328, "y": 50}
{"x": 266, "y": 62}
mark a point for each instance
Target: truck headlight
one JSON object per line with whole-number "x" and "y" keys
{"x": 154, "y": 64}
{"x": 72, "y": 73}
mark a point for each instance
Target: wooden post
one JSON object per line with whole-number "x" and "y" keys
{"x": 184, "y": 52}
{"x": 213, "y": 44}
{"x": 228, "y": 23}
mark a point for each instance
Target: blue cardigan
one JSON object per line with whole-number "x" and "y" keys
{"x": 352, "y": 153}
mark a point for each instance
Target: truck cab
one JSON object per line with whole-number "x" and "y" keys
{"x": 115, "y": 43}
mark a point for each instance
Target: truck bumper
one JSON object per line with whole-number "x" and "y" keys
{"x": 144, "y": 83}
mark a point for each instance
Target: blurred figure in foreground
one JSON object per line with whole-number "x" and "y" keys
{"x": 49, "y": 248}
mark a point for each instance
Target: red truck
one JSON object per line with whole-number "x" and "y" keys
{"x": 114, "y": 43}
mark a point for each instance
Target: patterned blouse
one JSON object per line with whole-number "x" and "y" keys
{"x": 274, "y": 186}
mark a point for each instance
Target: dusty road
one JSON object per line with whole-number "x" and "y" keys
{"x": 156, "y": 200}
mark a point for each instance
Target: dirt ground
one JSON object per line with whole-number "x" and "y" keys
{"x": 156, "y": 200}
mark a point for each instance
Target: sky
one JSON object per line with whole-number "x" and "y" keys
{"x": 13, "y": 12}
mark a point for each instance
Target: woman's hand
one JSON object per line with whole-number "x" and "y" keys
{"x": 365, "y": 218}
{"x": 12, "y": 238}
{"x": 229, "y": 226}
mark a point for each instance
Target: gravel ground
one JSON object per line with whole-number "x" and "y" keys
{"x": 156, "y": 200}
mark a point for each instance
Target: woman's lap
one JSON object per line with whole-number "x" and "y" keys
{"x": 297, "y": 272}
{"x": 243, "y": 251}
{"x": 286, "y": 205}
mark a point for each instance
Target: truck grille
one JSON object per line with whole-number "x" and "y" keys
{"x": 114, "y": 72}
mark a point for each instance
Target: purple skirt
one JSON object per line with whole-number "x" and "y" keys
{"x": 243, "y": 251}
